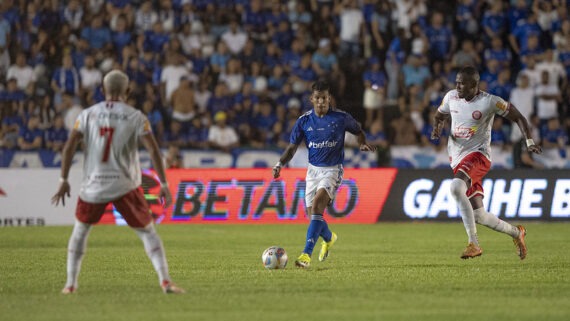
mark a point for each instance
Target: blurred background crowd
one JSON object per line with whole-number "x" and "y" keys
{"x": 221, "y": 74}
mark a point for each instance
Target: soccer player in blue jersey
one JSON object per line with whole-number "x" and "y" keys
{"x": 323, "y": 130}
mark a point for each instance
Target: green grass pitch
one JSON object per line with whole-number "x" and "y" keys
{"x": 387, "y": 271}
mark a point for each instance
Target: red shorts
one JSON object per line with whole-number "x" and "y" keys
{"x": 132, "y": 206}
{"x": 475, "y": 166}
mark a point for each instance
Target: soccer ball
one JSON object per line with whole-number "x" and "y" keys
{"x": 274, "y": 257}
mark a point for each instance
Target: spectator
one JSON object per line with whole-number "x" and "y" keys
{"x": 121, "y": 36}
{"x": 503, "y": 86}
{"x": 498, "y": 52}
{"x": 174, "y": 158}
{"x": 197, "y": 134}
{"x": 155, "y": 118}
{"x": 31, "y": 137}
{"x": 374, "y": 91}
{"x": 233, "y": 77}
{"x": 13, "y": 94}
{"x": 403, "y": 131}
{"x": 220, "y": 100}
{"x": 494, "y": 21}
{"x": 554, "y": 68}
{"x": 221, "y": 136}
{"x": 97, "y": 35}
{"x": 156, "y": 40}
{"x": 170, "y": 77}
{"x": 523, "y": 97}
{"x": 145, "y": 17}
{"x": 90, "y": 76}
{"x": 175, "y": 135}
{"x": 69, "y": 109}
{"x": 183, "y": 106}
{"x": 466, "y": 56}
{"x": 73, "y": 14}
{"x": 351, "y": 29}
{"x": 548, "y": 96}
{"x": 441, "y": 39}
{"x": 23, "y": 73}
{"x": 518, "y": 38}
{"x": 167, "y": 16}
{"x": 11, "y": 125}
{"x": 554, "y": 139}
{"x": 325, "y": 64}
{"x": 56, "y": 136}
{"x": 202, "y": 95}
{"x": 416, "y": 72}
{"x": 234, "y": 38}
{"x": 65, "y": 79}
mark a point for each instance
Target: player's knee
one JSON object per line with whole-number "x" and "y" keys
{"x": 458, "y": 187}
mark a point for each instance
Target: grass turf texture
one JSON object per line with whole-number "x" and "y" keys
{"x": 378, "y": 272}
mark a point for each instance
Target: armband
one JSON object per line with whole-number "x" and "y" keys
{"x": 529, "y": 142}
{"x": 163, "y": 184}
{"x": 62, "y": 180}
{"x": 278, "y": 164}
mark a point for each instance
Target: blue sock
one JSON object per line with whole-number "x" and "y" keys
{"x": 313, "y": 232}
{"x": 326, "y": 233}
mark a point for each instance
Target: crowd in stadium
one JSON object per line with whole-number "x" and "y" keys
{"x": 222, "y": 74}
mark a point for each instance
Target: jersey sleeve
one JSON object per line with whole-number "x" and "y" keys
{"x": 444, "y": 106}
{"x": 144, "y": 126}
{"x": 80, "y": 124}
{"x": 351, "y": 125}
{"x": 500, "y": 106}
{"x": 297, "y": 134}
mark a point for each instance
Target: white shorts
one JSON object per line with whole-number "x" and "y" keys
{"x": 328, "y": 178}
{"x": 372, "y": 99}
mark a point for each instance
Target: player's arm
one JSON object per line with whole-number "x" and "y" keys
{"x": 515, "y": 116}
{"x": 285, "y": 158}
{"x": 66, "y": 158}
{"x": 364, "y": 146}
{"x": 151, "y": 146}
{"x": 438, "y": 122}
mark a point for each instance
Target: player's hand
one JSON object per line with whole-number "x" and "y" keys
{"x": 367, "y": 148}
{"x": 165, "y": 195}
{"x": 535, "y": 149}
{"x": 276, "y": 170}
{"x": 63, "y": 190}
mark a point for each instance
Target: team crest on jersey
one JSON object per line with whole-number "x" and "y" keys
{"x": 476, "y": 115}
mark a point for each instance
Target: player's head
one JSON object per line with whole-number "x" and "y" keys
{"x": 321, "y": 97}
{"x": 116, "y": 84}
{"x": 467, "y": 82}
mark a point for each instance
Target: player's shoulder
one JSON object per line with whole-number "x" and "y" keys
{"x": 452, "y": 95}
{"x": 305, "y": 115}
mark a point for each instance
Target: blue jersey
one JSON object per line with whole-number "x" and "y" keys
{"x": 324, "y": 136}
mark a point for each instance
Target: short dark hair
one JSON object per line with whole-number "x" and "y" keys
{"x": 471, "y": 72}
{"x": 321, "y": 85}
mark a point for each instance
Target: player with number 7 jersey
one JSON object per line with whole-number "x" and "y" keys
{"x": 110, "y": 131}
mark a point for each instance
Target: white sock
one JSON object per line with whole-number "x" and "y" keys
{"x": 75, "y": 251}
{"x": 491, "y": 221}
{"x": 458, "y": 190}
{"x": 154, "y": 250}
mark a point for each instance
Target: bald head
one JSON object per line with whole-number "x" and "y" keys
{"x": 116, "y": 83}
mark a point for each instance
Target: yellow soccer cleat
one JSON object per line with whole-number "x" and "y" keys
{"x": 326, "y": 246}
{"x": 303, "y": 261}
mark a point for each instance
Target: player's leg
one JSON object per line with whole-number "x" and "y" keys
{"x": 134, "y": 209}
{"x": 459, "y": 186}
{"x": 86, "y": 214}
{"x": 316, "y": 227}
{"x": 493, "y": 222}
